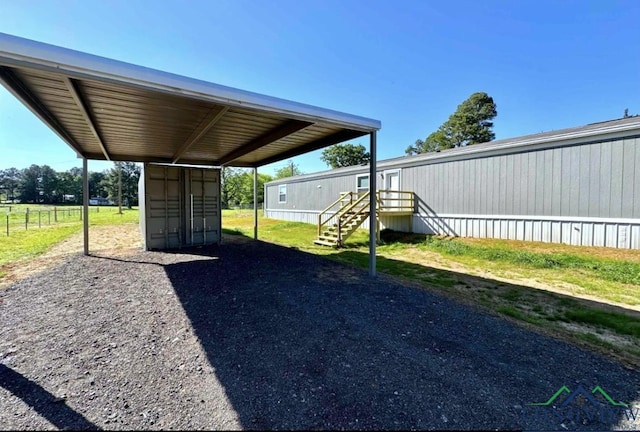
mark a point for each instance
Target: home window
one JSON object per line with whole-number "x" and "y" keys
{"x": 282, "y": 194}
{"x": 362, "y": 183}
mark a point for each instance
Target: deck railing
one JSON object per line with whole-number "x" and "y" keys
{"x": 388, "y": 201}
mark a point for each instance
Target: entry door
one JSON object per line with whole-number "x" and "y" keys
{"x": 392, "y": 183}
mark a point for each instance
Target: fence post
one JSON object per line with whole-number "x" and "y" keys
{"x": 27, "y": 215}
{"x": 49, "y": 217}
{"x": 55, "y": 214}
{"x": 26, "y": 220}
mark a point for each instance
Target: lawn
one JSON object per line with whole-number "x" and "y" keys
{"x": 24, "y": 244}
{"x": 588, "y": 296}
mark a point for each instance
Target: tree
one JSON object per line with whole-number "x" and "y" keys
{"x": 289, "y": 170}
{"x": 30, "y": 184}
{"x": 49, "y": 185}
{"x": 231, "y": 180}
{"x": 96, "y": 187}
{"x": 9, "y": 181}
{"x": 246, "y": 191}
{"x": 237, "y": 187}
{"x": 470, "y": 124}
{"x": 344, "y": 155}
{"x": 69, "y": 184}
{"x": 130, "y": 173}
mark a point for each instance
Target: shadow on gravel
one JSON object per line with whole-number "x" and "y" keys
{"x": 446, "y": 278}
{"x": 301, "y": 342}
{"x": 46, "y": 404}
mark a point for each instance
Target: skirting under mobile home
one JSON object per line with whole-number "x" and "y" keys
{"x": 578, "y": 186}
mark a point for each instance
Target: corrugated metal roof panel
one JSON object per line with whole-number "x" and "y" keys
{"x": 109, "y": 109}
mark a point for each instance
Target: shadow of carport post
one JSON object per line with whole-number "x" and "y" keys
{"x": 44, "y": 403}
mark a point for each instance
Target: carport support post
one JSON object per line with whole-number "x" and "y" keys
{"x": 373, "y": 193}
{"x": 85, "y": 204}
{"x": 255, "y": 203}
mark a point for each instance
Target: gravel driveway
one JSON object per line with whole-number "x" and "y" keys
{"x": 249, "y": 335}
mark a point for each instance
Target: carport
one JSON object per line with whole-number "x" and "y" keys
{"x": 110, "y": 110}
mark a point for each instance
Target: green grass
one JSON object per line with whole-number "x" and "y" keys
{"x": 25, "y": 244}
{"x": 619, "y": 323}
{"x": 606, "y": 269}
{"x": 512, "y": 312}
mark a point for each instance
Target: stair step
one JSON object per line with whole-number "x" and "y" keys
{"x": 329, "y": 234}
{"x": 325, "y": 243}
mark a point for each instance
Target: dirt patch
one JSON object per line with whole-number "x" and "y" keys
{"x": 107, "y": 240}
{"x": 115, "y": 238}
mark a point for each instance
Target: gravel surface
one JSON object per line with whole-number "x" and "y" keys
{"x": 249, "y": 335}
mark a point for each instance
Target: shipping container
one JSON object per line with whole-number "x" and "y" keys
{"x": 179, "y": 206}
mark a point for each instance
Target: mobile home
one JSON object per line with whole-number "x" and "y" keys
{"x": 578, "y": 186}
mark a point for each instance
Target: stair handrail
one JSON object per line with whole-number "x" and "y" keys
{"x": 321, "y": 223}
{"x": 354, "y": 205}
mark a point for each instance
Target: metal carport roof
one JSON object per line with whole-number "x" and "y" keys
{"x": 111, "y": 110}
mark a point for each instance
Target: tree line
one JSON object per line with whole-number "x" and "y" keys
{"x": 237, "y": 184}
{"x": 42, "y": 184}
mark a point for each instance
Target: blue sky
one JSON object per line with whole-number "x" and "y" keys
{"x": 547, "y": 64}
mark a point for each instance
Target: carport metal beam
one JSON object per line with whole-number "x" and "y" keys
{"x": 209, "y": 121}
{"x": 373, "y": 223}
{"x": 21, "y": 92}
{"x": 74, "y": 90}
{"x": 335, "y": 138}
{"x": 273, "y": 135}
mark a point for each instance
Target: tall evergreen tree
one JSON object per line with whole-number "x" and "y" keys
{"x": 471, "y": 123}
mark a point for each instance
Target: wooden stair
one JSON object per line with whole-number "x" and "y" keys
{"x": 337, "y": 228}
{"x": 349, "y": 223}
{"x": 346, "y": 214}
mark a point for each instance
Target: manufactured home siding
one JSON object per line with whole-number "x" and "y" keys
{"x": 577, "y": 192}
{"x": 572, "y": 181}
{"x": 311, "y": 194}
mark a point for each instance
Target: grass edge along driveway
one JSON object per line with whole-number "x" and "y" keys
{"x": 586, "y": 296}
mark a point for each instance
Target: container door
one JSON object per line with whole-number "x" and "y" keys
{"x": 162, "y": 193}
{"x": 202, "y": 206}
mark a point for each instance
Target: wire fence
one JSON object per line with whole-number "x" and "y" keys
{"x": 21, "y": 219}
